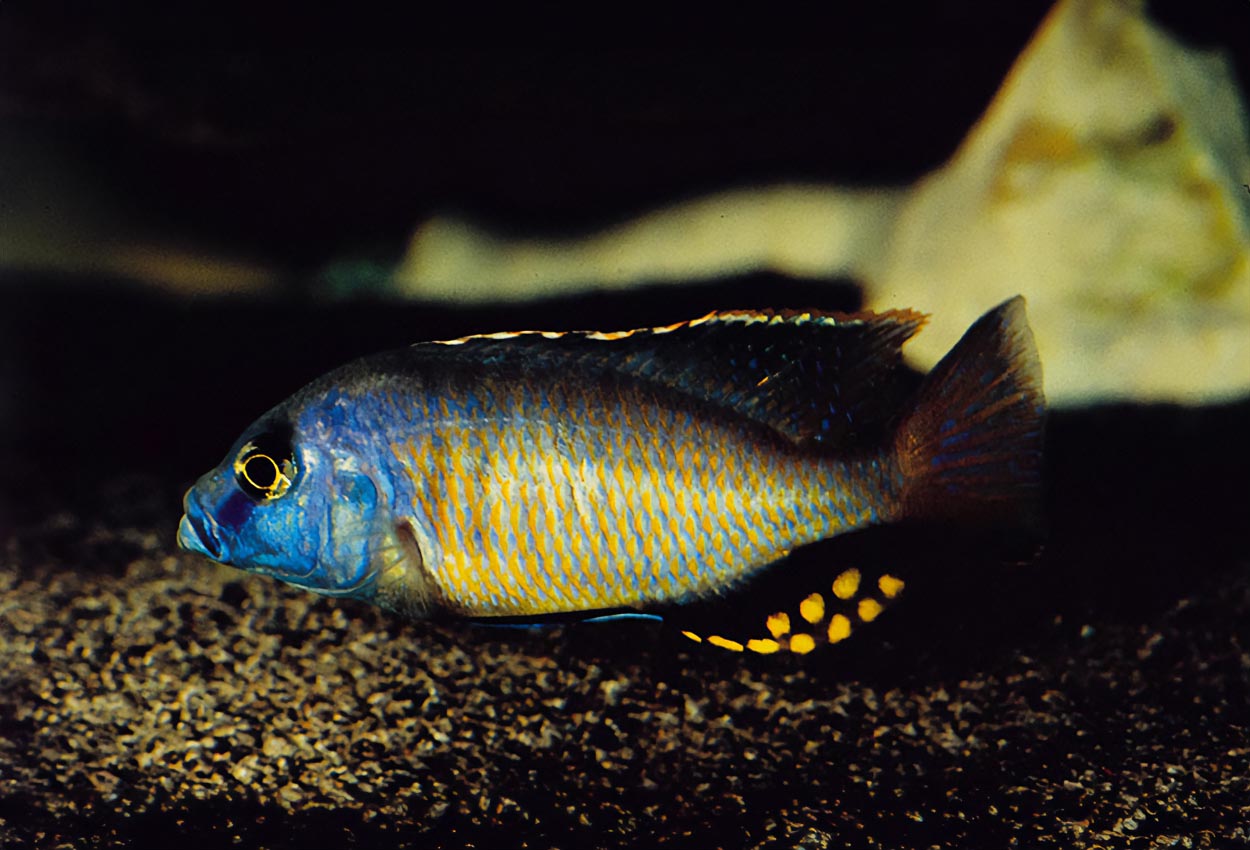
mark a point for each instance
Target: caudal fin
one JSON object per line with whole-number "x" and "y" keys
{"x": 972, "y": 446}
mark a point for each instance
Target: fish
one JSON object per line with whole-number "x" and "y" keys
{"x": 533, "y": 477}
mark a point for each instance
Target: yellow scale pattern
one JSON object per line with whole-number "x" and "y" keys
{"x": 601, "y": 501}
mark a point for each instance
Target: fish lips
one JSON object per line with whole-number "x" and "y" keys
{"x": 197, "y": 533}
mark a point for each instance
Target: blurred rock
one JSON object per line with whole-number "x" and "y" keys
{"x": 59, "y": 214}
{"x": 1105, "y": 182}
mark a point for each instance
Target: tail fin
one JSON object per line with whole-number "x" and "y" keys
{"x": 971, "y": 447}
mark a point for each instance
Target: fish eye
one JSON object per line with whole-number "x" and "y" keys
{"x": 265, "y": 466}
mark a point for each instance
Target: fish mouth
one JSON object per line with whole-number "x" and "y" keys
{"x": 197, "y": 533}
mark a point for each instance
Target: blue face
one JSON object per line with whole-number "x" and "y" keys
{"x": 286, "y": 505}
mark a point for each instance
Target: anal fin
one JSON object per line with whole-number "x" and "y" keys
{"x": 793, "y": 608}
{"x": 831, "y": 592}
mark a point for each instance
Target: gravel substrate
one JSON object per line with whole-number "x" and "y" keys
{"x": 150, "y": 697}
{"x": 1096, "y": 697}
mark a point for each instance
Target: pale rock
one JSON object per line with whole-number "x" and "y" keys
{"x": 1104, "y": 182}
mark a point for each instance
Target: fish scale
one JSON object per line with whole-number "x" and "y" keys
{"x": 713, "y": 529}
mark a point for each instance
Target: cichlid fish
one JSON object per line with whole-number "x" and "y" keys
{"x": 521, "y": 476}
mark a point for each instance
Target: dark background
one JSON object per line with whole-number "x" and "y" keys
{"x": 296, "y": 144}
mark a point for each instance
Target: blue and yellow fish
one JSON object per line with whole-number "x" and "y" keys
{"x": 522, "y": 476}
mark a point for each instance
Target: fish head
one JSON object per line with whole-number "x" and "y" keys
{"x": 291, "y": 504}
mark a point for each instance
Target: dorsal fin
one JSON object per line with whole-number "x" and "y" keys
{"x": 820, "y": 378}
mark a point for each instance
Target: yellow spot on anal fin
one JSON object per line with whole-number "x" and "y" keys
{"x": 802, "y": 644}
{"x": 724, "y": 643}
{"x": 812, "y": 608}
{"x": 869, "y": 609}
{"x": 891, "y": 586}
{"x": 846, "y": 584}
{"x": 778, "y": 624}
{"x": 839, "y": 628}
{"x": 763, "y": 646}
{"x": 693, "y": 637}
